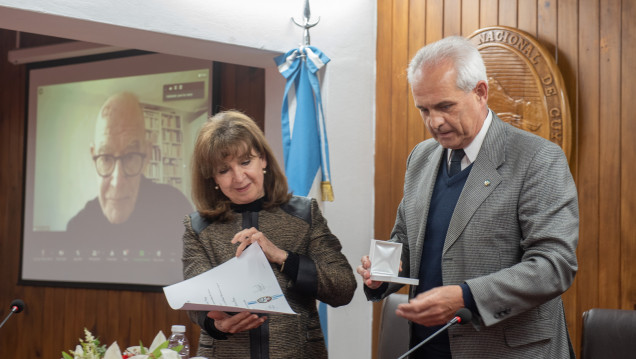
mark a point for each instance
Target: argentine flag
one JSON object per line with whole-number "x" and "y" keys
{"x": 305, "y": 147}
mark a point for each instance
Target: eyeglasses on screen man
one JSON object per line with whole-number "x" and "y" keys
{"x": 131, "y": 163}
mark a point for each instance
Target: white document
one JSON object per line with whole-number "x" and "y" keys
{"x": 385, "y": 262}
{"x": 246, "y": 283}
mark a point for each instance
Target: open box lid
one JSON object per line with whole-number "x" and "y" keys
{"x": 385, "y": 262}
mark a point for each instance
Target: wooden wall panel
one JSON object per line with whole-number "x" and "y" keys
{"x": 628, "y": 154}
{"x": 452, "y": 17}
{"x": 508, "y": 13}
{"x": 54, "y": 318}
{"x": 470, "y": 17}
{"x": 11, "y": 145}
{"x": 547, "y": 23}
{"x": 384, "y": 177}
{"x": 489, "y": 13}
{"x": 594, "y": 44}
{"x": 434, "y": 20}
{"x": 399, "y": 91}
{"x": 567, "y": 61}
{"x": 417, "y": 36}
{"x": 609, "y": 171}
{"x": 240, "y": 88}
{"x": 527, "y": 16}
{"x": 587, "y": 295}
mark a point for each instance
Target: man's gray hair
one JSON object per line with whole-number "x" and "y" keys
{"x": 464, "y": 55}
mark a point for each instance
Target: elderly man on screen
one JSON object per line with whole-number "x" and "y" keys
{"x": 130, "y": 209}
{"x": 488, "y": 221}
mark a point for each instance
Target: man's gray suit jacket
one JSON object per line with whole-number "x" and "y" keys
{"x": 512, "y": 238}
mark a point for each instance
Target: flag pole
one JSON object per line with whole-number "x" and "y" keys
{"x": 306, "y": 25}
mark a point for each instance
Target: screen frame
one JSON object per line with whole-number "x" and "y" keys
{"x": 111, "y": 285}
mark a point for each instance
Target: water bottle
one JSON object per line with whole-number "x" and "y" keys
{"x": 177, "y": 338}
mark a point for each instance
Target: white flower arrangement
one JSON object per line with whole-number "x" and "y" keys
{"x": 91, "y": 348}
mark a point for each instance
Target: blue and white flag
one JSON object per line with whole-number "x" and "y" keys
{"x": 305, "y": 144}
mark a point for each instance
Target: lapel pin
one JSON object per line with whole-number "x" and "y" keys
{"x": 486, "y": 183}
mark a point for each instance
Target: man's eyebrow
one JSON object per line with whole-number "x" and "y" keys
{"x": 444, "y": 103}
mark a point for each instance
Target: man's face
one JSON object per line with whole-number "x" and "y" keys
{"x": 119, "y": 132}
{"x": 453, "y": 117}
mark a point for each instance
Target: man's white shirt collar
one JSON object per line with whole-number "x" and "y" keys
{"x": 472, "y": 150}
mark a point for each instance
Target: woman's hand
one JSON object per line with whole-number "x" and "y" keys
{"x": 235, "y": 323}
{"x": 251, "y": 235}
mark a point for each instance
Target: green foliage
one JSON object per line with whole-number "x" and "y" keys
{"x": 91, "y": 348}
{"x": 142, "y": 348}
{"x": 164, "y": 345}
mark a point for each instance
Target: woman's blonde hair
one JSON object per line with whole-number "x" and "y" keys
{"x": 231, "y": 134}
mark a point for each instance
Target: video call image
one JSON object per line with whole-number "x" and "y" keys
{"x": 107, "y": 171}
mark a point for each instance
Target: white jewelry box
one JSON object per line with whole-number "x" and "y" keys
{"x": 385, "y": 262}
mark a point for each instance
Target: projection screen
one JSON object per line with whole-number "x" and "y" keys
{"x": 123, "y": 229}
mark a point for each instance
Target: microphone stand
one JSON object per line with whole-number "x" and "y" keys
{"x": 7, "y": 318}
{"x": 462, "y": 316}
{"x": 451, "y": 322}
{"x": 16, "y": 307}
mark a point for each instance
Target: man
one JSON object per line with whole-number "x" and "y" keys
{"x": 131, "y": 213}
{"x": 498, "y": 237}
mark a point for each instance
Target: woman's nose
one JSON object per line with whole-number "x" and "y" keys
{"x": 239, "y": 174}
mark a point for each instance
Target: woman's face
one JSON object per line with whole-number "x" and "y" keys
{"x": 241, "y": 178}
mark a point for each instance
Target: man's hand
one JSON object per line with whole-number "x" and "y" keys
{"x": 364, "y": 271}
{"x": 235, "y": 323}
{"x": 433, "y": 307}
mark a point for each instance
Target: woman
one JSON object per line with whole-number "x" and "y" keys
{"x": 241, "y": 197}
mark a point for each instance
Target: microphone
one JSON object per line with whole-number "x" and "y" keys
{"x": 16, "y": 307}
{"x": 462, "y": 316}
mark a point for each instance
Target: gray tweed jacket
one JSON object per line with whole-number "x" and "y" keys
{"x": 512, "y": 238}
{"x": 298, "y": 227}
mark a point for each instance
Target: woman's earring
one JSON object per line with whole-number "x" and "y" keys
{"x": 216, "y": 187}
{"x": 264, "y": 171}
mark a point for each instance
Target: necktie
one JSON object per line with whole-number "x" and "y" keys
{"x": 456, "y": 162}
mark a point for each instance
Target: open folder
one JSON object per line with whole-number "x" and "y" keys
{"x": 245, "y": 283}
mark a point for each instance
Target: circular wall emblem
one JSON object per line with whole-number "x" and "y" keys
{"x": 525, "y": 86}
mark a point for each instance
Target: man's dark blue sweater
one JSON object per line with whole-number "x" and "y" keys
{"x": 443, "y": 201}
